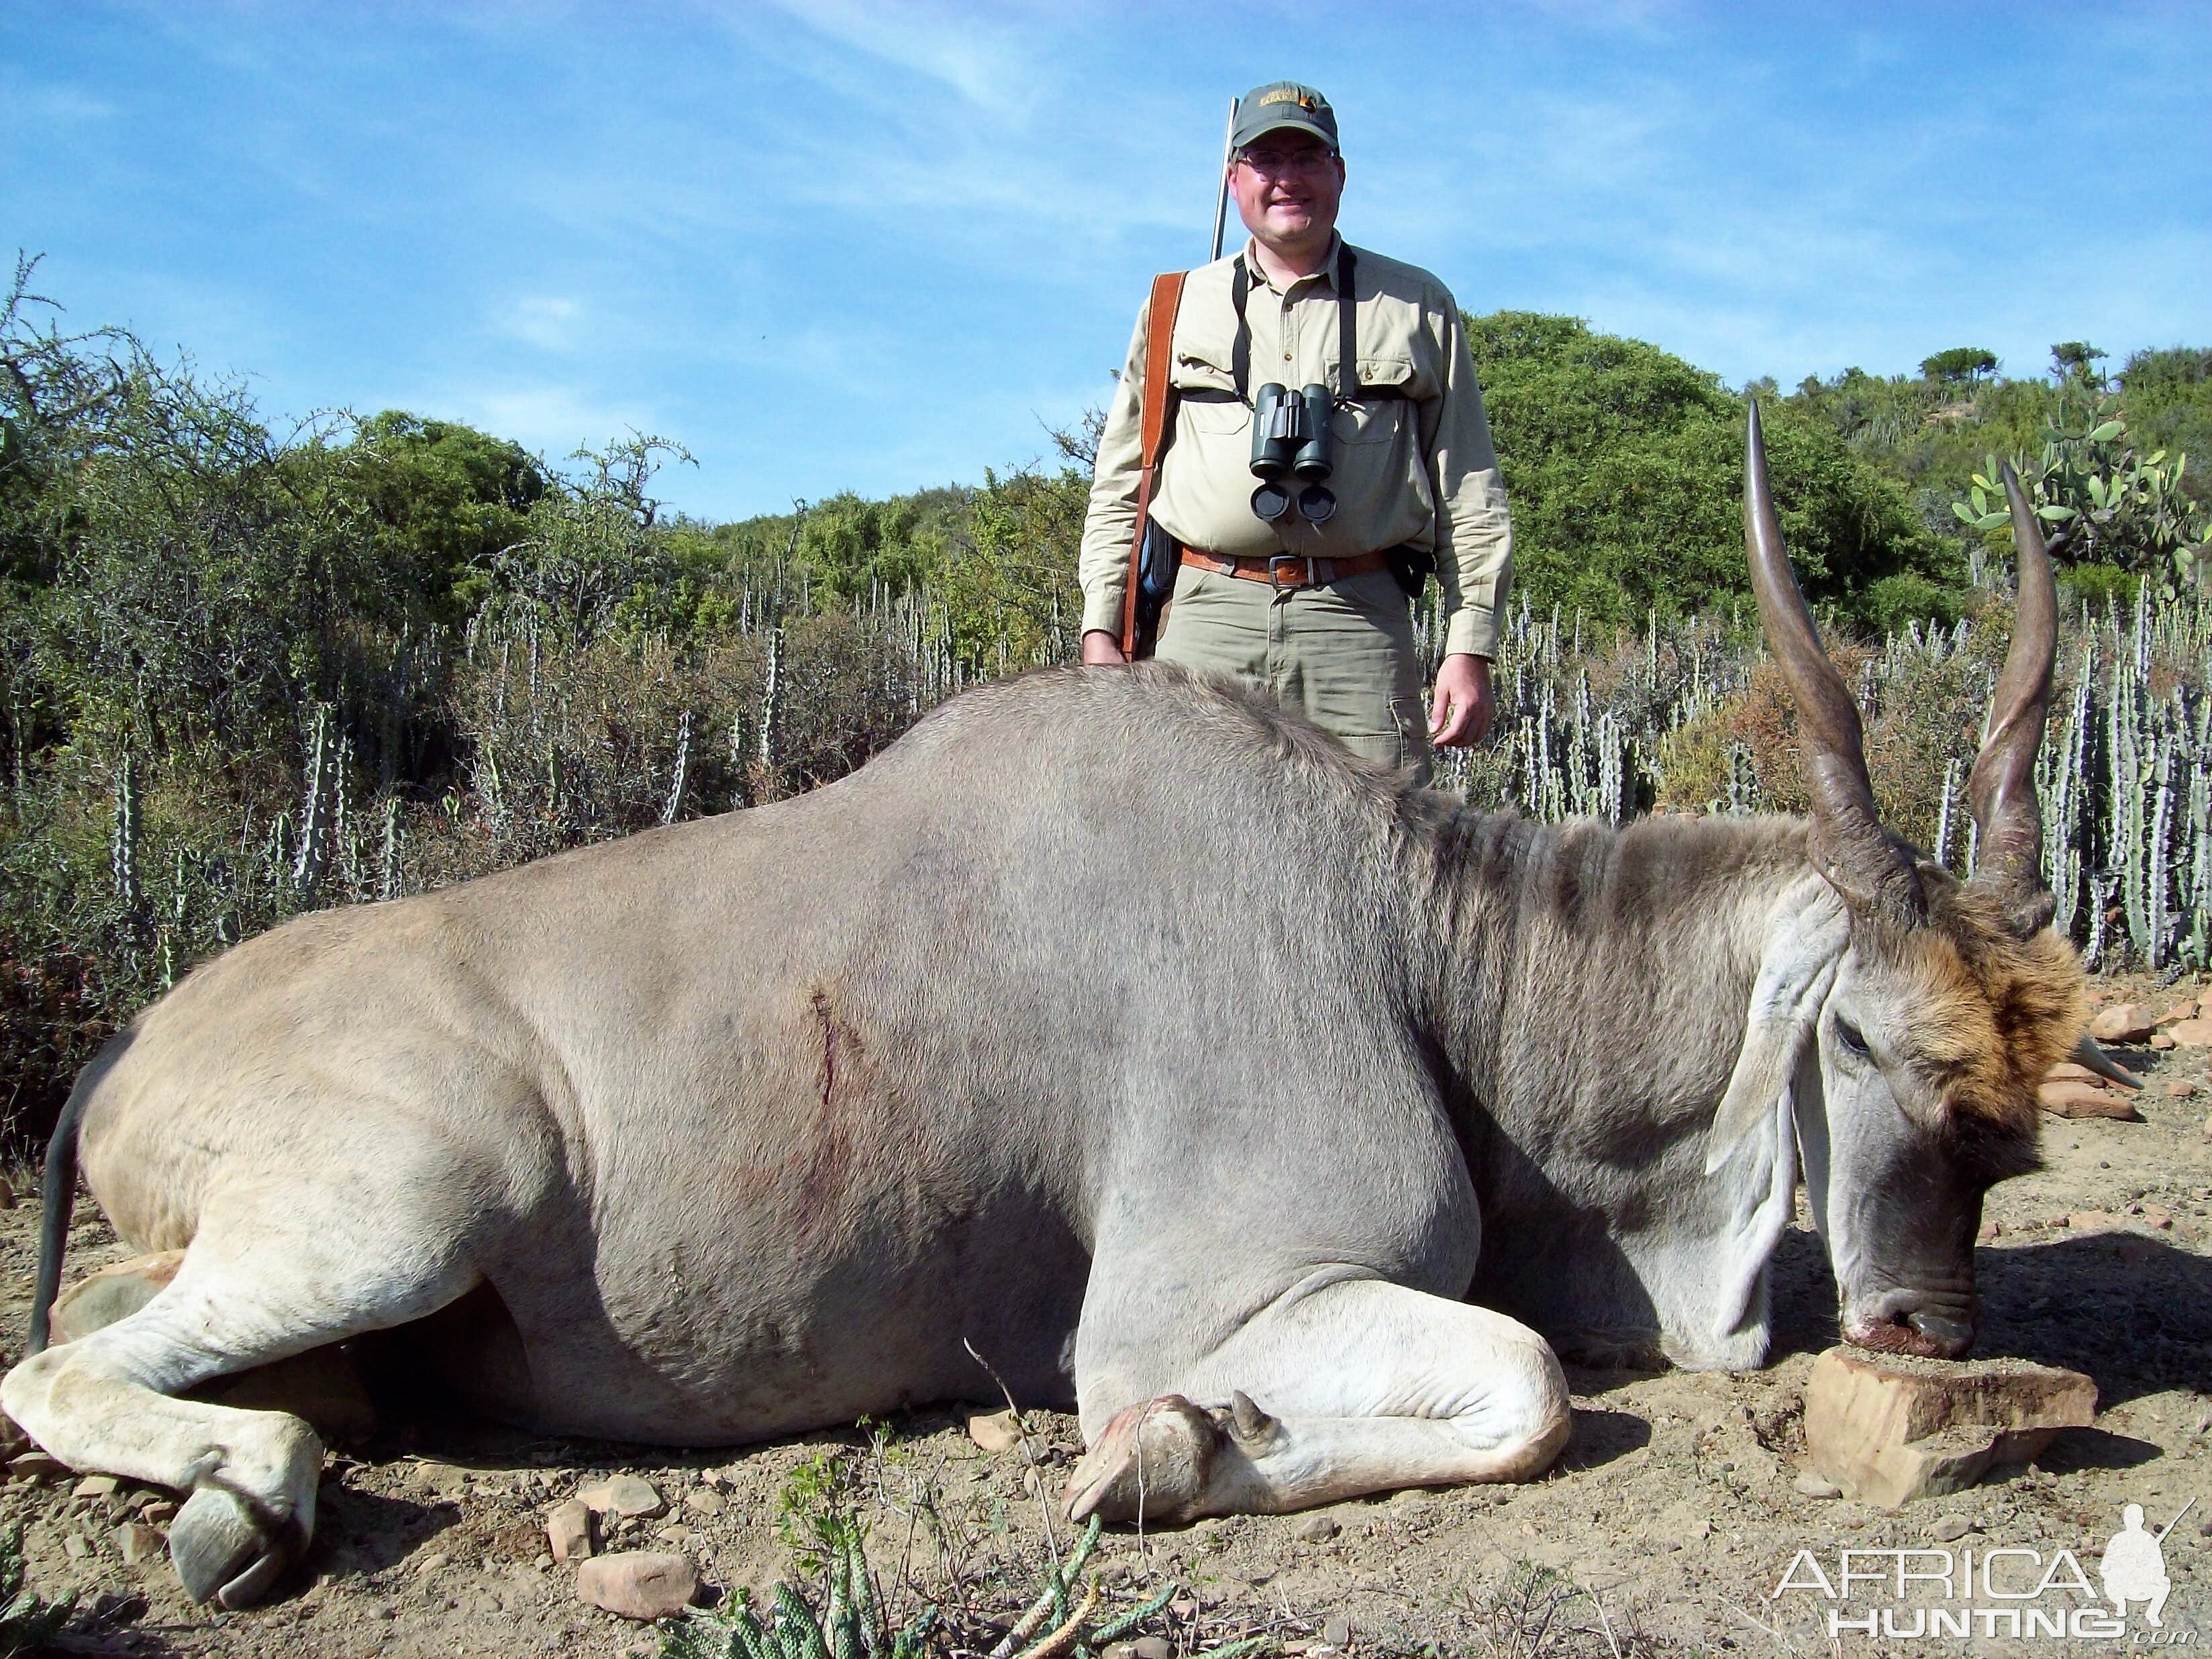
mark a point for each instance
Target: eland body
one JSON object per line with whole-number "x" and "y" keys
{"x": 1282, "y": 1117}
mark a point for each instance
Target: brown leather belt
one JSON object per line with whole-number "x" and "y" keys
{"x": 1284, "y": 571}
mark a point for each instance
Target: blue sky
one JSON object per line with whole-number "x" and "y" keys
{"x": 878, "y": 247}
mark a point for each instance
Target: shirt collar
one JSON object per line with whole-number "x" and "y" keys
{"x": 1326, "y": 274}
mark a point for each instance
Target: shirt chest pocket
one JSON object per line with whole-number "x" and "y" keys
{"x": 1206, "y": 392}
{"x": 1378, "y": 418}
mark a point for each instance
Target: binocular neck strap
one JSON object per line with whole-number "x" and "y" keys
{"x": 1347, "y": 329}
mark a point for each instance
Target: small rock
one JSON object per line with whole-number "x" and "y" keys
{"x": 2067, "y": 1099}
{"x": 159, "y": 1513}
{"x": 1184, "y": 1607}
{"x": 75, "y": 1548}
{"x": 446, "y": 1480}
{"x": 2160, "y": 1041}
{"x": 2193, "y": 1033}
{"x": 2187, "y": 1008}
{"x": 1318, "y": 1529}
{"x": 2158, "y": 1216}
{"x": 36, "y": 1466}
{"x": 2181, "y": 1089}
{"x": 705, "y": 1500}
{"x": 1119, "y": 1651}
{"x": 568, "y": 1531}
{"x": 430, "y": 1563}
{"x": 1809, "y": 1485}
{"x": 139, "y": 1543}
{"x": 96, "y": 1485}
{"x": 2089, "y": 1221}
{"x": 996, "y": 1431}
{"x": 1336, "y": 1633}
{"x": 1988, "y": 1231}
{"x": 1152, "y": 1646}
{"x": 626, "y": 1495}
{"x": 2123, "y": 1022}
{"x": 1950, "y": 1529}
{"x": 638, "y": 1583}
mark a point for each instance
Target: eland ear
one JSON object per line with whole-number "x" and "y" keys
{"x": 1806, "y": 939}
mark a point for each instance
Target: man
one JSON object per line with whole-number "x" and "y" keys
{"x": 1306, "y": 602}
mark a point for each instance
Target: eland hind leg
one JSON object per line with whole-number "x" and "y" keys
{"x": 1358, "y": 1386}
{"x": 253, "y": 1287}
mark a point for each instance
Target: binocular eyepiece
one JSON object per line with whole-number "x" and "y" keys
{"x": 1290, "y": 446}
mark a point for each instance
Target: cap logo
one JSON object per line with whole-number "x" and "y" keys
{"x": 1285, "y": 95}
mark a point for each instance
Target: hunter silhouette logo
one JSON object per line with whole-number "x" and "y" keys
{"x": 1997, "y": 1589}
{"x": 2134, "y": 1564}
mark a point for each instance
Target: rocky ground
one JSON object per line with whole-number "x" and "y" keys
{"x": 1675, "y": 1513}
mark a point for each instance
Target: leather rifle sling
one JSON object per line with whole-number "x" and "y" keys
{"x": 1159, "y": 363}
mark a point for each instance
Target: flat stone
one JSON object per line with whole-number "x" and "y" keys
{"x": 640, "y": 1584}
{"x": 1949, "y": 1528}
{"x": 995, "y": 1432}
{"x": 2191, "y": 1033}
{"x": 430, "y": 1563}
{"x": 77, "y": 1547}
{"x": 320, "y": 1386}
{"x": 2067, "y": 1098}
{"x": 2187, "y": 1008}
{"x": 2182, "y": 1089}
{"x": 2123, "y": 1022}
{"x": 1809, "y": 1485}
{"x": 568, "y": 1531}
{"x": 2091, "y": 1221}
{"x": 107, "y": 1294}
{"x": 140, "y": 1543}
{"x": 1318, "y": 1529}
{"x": 96, "y": 1485}
{"x": 705, "y": 1500}
{"x": 1890, "y": 1428}
{"x": 1152, "y": 1646}
{"x": 628, "y": 1495}
{"x": 1336, "y": 1633}
{"x": 36, "y": 1466}
{"x": 2160, "y": 1041}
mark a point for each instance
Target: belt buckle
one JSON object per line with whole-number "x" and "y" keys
{"x": 1275, "y": 580}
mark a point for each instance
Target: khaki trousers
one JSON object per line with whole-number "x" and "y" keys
{"x": 1342, "y": 656}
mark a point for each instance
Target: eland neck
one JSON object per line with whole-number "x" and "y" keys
{"x": 1595, "y": 1007}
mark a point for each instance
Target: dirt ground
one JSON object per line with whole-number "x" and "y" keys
{"x": 1673, "y": 1515}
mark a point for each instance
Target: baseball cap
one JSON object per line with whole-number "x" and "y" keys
{"x": 1282, "y": 104}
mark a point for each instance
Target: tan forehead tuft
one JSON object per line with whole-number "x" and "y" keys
{"x": 1996, "y": 1012}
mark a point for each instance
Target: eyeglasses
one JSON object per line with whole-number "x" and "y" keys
{"x": 1276, "y": 163}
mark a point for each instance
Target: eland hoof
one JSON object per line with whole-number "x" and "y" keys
{"x": 1152, "y": 1464}
{"x": 222, "y": 1553}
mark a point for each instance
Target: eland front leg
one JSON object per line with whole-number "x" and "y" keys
{"x": 1356, "y": 1385}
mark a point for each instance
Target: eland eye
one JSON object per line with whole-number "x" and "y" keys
{"x": 1852, "y": 1038}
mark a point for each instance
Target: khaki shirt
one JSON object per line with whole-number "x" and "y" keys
{"x": 1418, "y": 470}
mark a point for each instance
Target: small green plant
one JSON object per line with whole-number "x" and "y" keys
{"x": 27, "y": 1621}
{"x": 851, "y": 1625}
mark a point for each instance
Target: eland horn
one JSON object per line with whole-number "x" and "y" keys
{"x": 2009, "y": 847}
{"x": 1873, "y": 872}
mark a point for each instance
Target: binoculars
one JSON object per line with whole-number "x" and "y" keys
{"x": 1290, "y": 448}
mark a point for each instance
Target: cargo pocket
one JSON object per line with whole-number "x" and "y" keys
{"x": 1411, "y": 716}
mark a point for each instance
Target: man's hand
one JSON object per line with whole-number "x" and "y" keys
{"x": 1100, "y": 647}
{"x": 1461, "y": 714}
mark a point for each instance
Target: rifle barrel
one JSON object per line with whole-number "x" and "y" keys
{"x": 1221, "y": 199}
